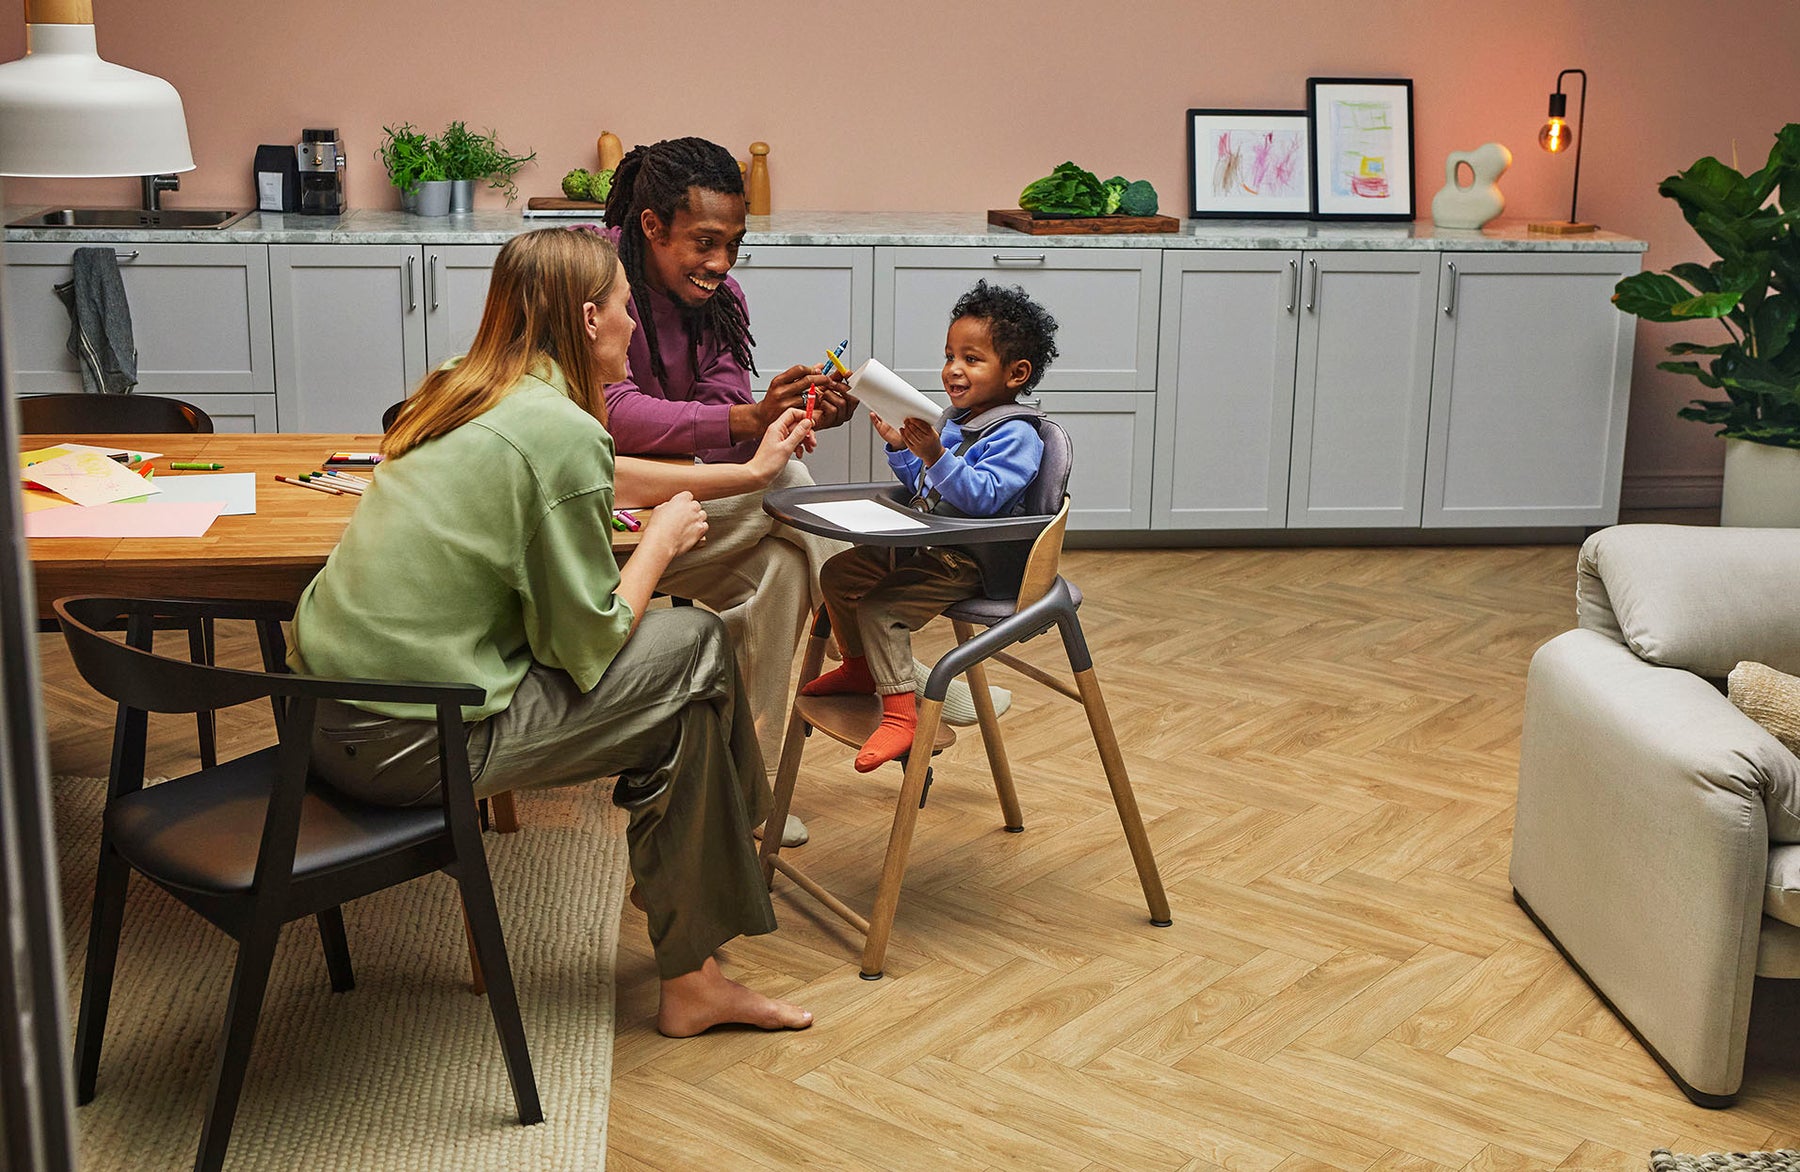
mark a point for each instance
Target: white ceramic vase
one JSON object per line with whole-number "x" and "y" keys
{"x": 1471, "y": 206}
{"x": 1762, "y": 486}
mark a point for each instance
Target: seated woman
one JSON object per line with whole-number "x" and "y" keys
{"x": 483, "y": 553}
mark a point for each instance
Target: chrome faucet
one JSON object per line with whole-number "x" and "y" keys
{"x": 154, "y": 186}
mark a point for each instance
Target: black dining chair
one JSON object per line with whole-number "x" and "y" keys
{"x": 391, "y": 414}
{"x": 85, "y": 414}
{"x": 82, "y": 414}
{"x": 258, "y": 841}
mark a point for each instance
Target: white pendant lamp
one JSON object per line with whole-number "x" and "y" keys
{"x": 65, "y": 113}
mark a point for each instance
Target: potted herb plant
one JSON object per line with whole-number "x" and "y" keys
{"x": 1753, "y": 291}
{"x": 470, "y": 156}
{"x": 415, "y": 166}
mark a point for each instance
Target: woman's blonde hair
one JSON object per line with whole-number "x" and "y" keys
{"x": 533, "y": 312}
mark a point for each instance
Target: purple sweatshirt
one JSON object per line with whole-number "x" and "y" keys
{"x": 688, "y": 412}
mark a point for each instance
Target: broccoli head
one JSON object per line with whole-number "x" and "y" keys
{"x": 1138, "y": 199}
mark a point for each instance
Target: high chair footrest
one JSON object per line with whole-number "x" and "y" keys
{"x": 853, "y": 719}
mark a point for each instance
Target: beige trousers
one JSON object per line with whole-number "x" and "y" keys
{"x": 878, "y": 597}
{"x": 762, "y": 578}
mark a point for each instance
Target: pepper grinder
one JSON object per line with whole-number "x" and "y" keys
{"x": 756, "y": 184}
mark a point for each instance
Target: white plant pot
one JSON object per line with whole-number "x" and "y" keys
{"x": 1762, "y": 486}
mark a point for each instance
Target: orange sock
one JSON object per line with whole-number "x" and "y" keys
{"x": 894, "y": 736}
{"x": 852, "y": 677}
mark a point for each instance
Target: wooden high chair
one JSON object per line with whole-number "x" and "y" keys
{"x": 1045, "y": 599}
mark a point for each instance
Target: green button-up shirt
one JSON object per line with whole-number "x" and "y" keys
{"x": 475, "y": 554}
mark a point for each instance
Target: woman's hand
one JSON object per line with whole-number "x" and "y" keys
{"x": 782, "y": 438}
{"x": 675, "y": 526}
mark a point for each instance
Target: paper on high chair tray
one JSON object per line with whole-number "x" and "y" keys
{"x": 862, "y": 516}
{"x": 892, "y": 397}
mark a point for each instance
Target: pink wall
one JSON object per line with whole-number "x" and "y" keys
{"x": 951, "y": 105}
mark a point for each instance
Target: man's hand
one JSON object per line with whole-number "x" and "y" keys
{"x": 832, "y": 405}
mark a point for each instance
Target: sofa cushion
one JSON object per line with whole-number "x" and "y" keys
{"x": 1696, "y": 598}
{"x": 1781, "y": 892}
{"x": 1770, "y": 698}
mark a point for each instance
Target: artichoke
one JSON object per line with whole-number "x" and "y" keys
{"x": 575, "y": 183}
{"x": 599, "y": 185}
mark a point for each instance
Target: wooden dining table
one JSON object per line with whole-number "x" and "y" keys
{"x": 269, "y": 554}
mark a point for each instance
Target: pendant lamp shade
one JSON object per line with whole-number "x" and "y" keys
{"x": 65, "y": 113}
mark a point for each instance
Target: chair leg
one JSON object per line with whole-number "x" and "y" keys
{"x": 483, "y": 919}
{"x": 1125, "y": 801}
{"x": 337, "y": 949}
{"x": 906, "y": 814}
{"x": 792, "y": 746}
{"x": 256, "y": 954}
{"x": 108, "y": 919}
{"x": 477, "y": 986}
{"x": 990, "y": 735}
{"x": 200, "y": 650}
{"x": 506, "y": 815}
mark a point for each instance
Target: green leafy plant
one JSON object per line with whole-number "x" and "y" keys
{"x": 1752, "y": 290}
{"x": 411, "y": 158}
{"x": 470, "y": 154}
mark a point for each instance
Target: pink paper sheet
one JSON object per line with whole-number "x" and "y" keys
{"x": 149, "y": 519}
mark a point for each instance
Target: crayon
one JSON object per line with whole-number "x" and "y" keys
{"x": 193, "y": 466}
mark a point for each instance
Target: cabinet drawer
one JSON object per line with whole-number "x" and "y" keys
{"x": 1104, "y": 301}
{"x": 199, "y": 317}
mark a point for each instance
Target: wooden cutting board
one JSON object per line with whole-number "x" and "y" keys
{"x": 1020, "y": 220}
{"x": 556, "y": 203}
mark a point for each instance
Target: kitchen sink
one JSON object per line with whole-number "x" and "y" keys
{"x": 198, "y": 218}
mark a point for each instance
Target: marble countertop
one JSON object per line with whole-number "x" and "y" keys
{"x": 942, "y": 229}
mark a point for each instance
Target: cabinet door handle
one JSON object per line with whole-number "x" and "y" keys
{"x": 745, "y": 258}
{"x": 431, "y": 280}
{"x": 412, "y": 296}
{"x": 1312, "y": 289}
{"x": 1035, "y": 258}
{"x": 1450, "y": 294}
{"x": 1293, "y": 284}
{"x": 125, "y": 256}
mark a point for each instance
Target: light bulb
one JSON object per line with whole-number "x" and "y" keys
{"x": 1556, "y": 136}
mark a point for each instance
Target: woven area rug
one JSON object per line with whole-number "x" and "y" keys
{"x": 1662, "y": 1160}
{"x": 404, "y": 1071}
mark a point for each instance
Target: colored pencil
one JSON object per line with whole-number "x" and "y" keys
{"x": 308, "y": 484}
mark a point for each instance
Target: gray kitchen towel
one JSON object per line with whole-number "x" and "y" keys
{"x": 100, "y": 323}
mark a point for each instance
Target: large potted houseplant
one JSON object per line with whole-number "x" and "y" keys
{"x": 415, "y": 166}
{"x": 1753, "y": 291}
{"x": 470, "y": 157}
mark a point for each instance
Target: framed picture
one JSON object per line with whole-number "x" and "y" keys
{"x": 1248, "y": 163}
{"x": 1362, "y": 148}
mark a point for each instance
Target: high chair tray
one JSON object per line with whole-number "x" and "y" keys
{"x": 852, "y": 719}
{"x": 788, "y": 505}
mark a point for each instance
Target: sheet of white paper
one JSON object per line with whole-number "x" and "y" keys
{"x": 236, "y": 489}
{"x": 88, "y": 478}
{"x": 892, "y": 397}
{"x": 862, "y": 516}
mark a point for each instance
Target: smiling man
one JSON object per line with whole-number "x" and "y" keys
{"x": 677, "y": 208}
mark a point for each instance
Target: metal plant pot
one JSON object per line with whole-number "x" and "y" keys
{"x": 433, "y": 198}
{"x": 462, "y": 195}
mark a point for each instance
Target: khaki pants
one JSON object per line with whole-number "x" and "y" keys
{"x": 878, "y": 597}
{"x": 669, "y": 718}
{"x": 760, "y": 577}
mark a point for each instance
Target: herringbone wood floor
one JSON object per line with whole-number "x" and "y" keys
{"x": 1324, "y": 743}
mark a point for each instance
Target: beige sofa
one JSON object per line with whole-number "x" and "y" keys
{"x": 1658, "y": 833}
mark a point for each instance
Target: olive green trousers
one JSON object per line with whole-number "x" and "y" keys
{"x": 669, "y": 718}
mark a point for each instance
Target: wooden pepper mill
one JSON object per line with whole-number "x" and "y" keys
{"x": 756, "y": 183}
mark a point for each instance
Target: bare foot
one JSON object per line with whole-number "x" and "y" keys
{"x": 695, "y": 1002}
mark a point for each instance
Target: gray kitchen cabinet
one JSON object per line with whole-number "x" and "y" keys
{"x": 237, "y": 413}
{"x": 349, "y": 332}
{"x": 456, "y": 288}
{"x": 804, "y": 300}
{"x": 1225, "y": 379}
{"x": 199, "y": 316}
{"x": 1529, "y": 390}
{"x": 1105, "y": 301}
{"x": 1362, "y": 389}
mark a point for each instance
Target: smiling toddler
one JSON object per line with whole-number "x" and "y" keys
{"x": 999, "y": 345}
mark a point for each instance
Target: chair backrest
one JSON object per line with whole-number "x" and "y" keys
{"x": 83, "y": 414}
{"x": 1048, "y": 494}
{"x": 1044, "y": 562}
{"x": 391, "y": 414}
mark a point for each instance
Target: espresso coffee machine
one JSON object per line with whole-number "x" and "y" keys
{"x": 321, "y": 157}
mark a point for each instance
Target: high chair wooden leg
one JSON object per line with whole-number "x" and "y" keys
{"x": 1126, "y": 802}
{"x": 990, "y": 735}
{"x": 906, "y": 814}
{"x": 506, "y": 815}
{"x": 792, "y": 745}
